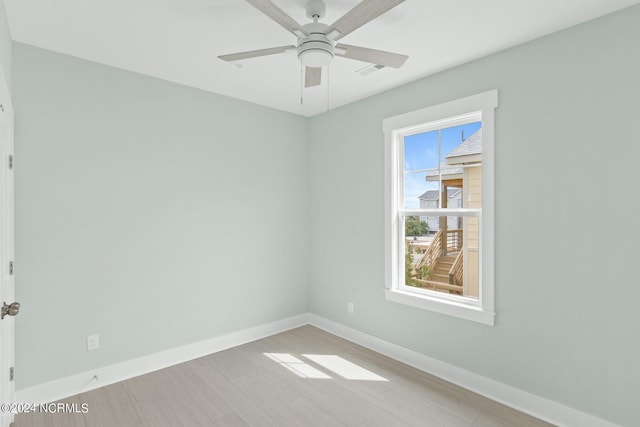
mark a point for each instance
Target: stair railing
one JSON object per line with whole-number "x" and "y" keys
{"x": 456, "y": 271}
{"x": 431, "y": 255}
{"x": 454, "y": 240}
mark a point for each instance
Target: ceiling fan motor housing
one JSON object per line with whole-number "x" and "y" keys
{"x": 316, "y": 49}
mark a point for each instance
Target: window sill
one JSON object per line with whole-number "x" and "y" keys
{"x": 440, "y": 305}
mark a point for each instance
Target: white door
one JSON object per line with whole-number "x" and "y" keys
{"x": 6, "y": 253}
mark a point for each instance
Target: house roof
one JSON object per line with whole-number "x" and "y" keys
{"x": 468, "y": 147}
{"x": 446, "y": 171}
{"x": 435, "y": 194}
{"x": 468, "y": 150}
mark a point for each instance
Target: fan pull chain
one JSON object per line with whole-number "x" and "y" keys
{"x": 301, "y": 84}
{"x": 328, "y": 87}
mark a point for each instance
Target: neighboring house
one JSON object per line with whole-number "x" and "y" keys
{"x": 431, "y": 198}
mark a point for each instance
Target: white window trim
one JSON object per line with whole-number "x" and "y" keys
{"x": 443, "y": 115}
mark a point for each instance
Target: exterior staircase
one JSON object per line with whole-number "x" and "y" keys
{"x": 442, "y": 268}
{"x": 445, "y": 270}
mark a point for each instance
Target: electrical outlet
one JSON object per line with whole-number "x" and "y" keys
{"x": 350, "y": 308}
{"x": 93, "y": 342}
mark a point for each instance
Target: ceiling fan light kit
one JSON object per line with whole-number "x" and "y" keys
{"x": 315, "y": 57}
{"x": 316, "y": 49}
{"x": 316, "y": 44}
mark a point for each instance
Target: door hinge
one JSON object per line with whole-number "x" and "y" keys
{"x": 2, "y": 107}
{"x": 11, "y": 373}
{"x": 10, "y": 162}
{"x": 11, "y": 268}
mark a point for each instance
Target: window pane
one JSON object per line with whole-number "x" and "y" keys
{"x": 421, "y": 153}
{"x": 437, "y": 159}
{"x": 441, "y": 254}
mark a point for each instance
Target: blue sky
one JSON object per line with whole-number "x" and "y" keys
{"x": 421, "y": 152}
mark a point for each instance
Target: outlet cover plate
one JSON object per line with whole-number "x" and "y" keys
{"x": 93, "y": 342}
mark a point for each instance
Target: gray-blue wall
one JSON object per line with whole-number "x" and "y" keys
{"x": 567, "y": 153}
{"x": 5, "y": 46}
{"x": 156, "y": 215}
{"x": 149, "y": 213}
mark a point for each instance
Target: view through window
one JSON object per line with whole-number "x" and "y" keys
{"x": 442, "y": 173}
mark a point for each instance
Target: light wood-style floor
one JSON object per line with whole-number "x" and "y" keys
{"x": 243, "y": 386}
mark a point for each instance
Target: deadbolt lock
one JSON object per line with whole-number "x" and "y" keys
{"x": 11, "y": 309}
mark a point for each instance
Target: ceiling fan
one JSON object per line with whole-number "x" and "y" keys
{"x": 316, "y": 45}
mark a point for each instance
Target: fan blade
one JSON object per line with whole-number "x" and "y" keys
{"x": 255, "y": 53}
{"x": 365, "y": 11}
{"x": 373, "y": 56}
{"x": 274, "y": 12}
{"x": 312, "y": 76}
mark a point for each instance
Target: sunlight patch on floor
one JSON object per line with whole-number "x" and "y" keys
{"x": 343, "y": 367}
{"x": 297, "y": 366}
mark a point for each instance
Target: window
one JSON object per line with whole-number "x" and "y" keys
{"x": 439, "y": 208}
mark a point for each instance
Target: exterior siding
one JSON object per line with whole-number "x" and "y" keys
{"x": 473, "y": 198}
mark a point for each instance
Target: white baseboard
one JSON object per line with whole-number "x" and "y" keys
{"x": 526, "y": 402}
{"x": 79, "y": 383}
{"x": 531, "y": 404}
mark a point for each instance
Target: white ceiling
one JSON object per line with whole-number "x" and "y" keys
{"x": 179, "y": 40}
